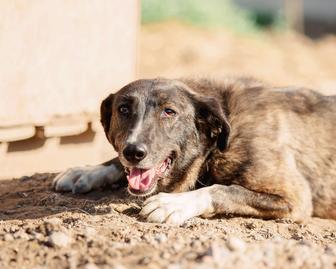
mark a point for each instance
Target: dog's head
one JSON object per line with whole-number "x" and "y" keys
{"x": 162, "y": 131}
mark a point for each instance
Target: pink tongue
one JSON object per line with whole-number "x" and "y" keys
{"x": 140, "y": 179}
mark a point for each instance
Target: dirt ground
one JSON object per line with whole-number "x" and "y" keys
{"x": 43, "y": 229}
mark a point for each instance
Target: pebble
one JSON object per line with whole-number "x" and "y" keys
{"x": 330, "y": 251}
{"x": 118, "y": 266}
{"x": 165, "y": 255}
{"x": 144, "y": 260}
{"x": 160, "y": 238}
{"x": 90, "y": 266}
{"x": 120, "y": 208}
{"x": 236, "y": 244}
{"x": 23, "y": 194}
{"x": 38, "y": 236}
{"x": 13, "y": 229}
{"x": 54, "y": 221}
{"x": 217, "y": 252}
{"x": 24, "y": 178}
{"x": 8, "y": 237}
{"x": 277, "y": 239}
{"x": 59, "y": 239}
{"x": 174, "y": 266}
{"x": 21, "y": 235}
{"x": 257, "y": 237}
{"x": 90, "y": 232}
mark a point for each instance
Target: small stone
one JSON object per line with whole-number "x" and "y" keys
{"x": 144, "y": 260}
{"x": 118, "y": 266}
{"x": 13, "y": 229}
{"x": 304, "y": 242}
{"x": 160, "y": 238}
{"x": 21, "y": 235}
{"x": 90, "y": 266}
{"x": 38, "y": 236}
{"x": 165, "y": 255}
{"x": 24, "y": 178}
{"x": 23, "y": 194}
{"x": 297, "y": 236}
{"x": 329, "y": 250}
{"x": 257, "y": 237}
{"x": 178, "y": 246}
{"x": 217, "y": 252}
{"x": 250, "y": 225}
{"x": 120, "y": 208}
{"x": 90, "y": 232}
{"x": 277, "y": 239}
{"x": 59, "y": 239}
{"x": 236, "y": 244}
{"x": 8, "y": 237}
{"x": 53, "y": 221}
{"x": 174, "y": 266}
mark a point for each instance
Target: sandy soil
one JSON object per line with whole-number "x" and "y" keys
{"x": 43, "y": 229}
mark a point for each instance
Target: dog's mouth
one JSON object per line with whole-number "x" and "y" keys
{"x": 142, "y": 182}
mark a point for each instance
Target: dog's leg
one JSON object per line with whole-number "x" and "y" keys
{"x": 85, "y": 179}
{"x": 217, "y": 199}
{"x": 237, "y": 200}
{"x": 176, "y": 208}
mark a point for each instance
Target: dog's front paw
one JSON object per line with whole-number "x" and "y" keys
{"x": 76, "y": 180}
{"x": 85, "y": 179}
{"x": 176, "y": 208}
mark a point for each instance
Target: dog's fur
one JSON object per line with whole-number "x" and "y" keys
{"x": 239, "y": 148}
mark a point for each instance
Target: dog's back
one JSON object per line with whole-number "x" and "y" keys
{"x": 286, "y": 129}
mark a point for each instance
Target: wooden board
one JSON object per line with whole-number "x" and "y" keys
{"x": 61, "y": 58}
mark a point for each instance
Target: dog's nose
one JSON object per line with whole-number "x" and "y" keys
{"x": 135, "y": 152}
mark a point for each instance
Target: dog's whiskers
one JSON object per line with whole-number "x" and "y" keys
{"x": 200, "y": 182}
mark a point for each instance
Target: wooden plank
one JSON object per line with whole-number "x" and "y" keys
{"x": 16, "y": 133}
{"x": 61, "y": 58}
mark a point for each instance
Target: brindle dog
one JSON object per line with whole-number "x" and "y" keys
{"x": 233, "y": 147}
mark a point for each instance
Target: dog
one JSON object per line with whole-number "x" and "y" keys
{"x": 201, "y": 147}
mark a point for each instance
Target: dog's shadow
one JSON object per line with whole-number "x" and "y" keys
{"x": 33, "y": 197}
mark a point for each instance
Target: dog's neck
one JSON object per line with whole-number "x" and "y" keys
{"x": 191, "y": 176}
{"x": 197, "y": 175}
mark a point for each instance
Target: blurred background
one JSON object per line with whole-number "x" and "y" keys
{"x": 59, "y": 59}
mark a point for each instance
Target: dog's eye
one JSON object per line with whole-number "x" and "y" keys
{"x": 123, "y": 109}
{"x": 168, "y": 112}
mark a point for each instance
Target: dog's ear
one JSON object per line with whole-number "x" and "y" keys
{"x": 212, "y": 121}
{"x": 106, "y": 113}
